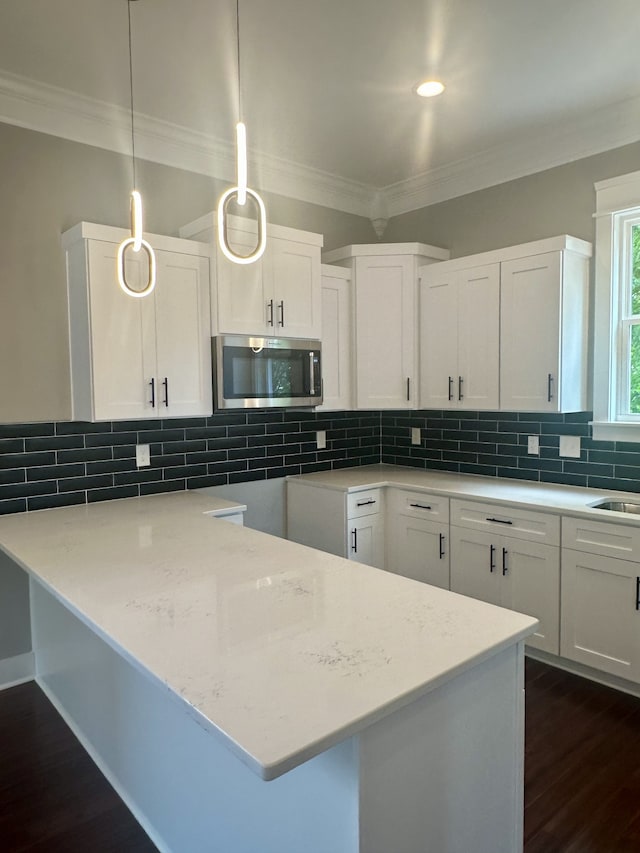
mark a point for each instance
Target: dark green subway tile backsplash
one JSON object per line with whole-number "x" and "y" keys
{"x": 59, "y": 464}
{"x": 495, "y": 443}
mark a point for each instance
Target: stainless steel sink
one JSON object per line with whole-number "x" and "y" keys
{"x": 619, "y": 506}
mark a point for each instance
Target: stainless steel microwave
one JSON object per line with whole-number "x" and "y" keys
{"x": 258, "y": 373}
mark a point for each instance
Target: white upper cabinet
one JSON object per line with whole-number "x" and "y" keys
{"x": 543, "y": 336}
{"x": 336, "y": 338}
{"x": 459, "y": 337}
{"x": 385, "y": 289}
{"x": 137, "y": 358}
{"x": 277, "y": 296}
{"x": 507, "y": 329}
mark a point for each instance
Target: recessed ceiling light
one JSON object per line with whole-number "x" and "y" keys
{"x": 430, "y": 88}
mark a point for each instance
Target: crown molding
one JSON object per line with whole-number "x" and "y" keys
{"x": 601, "y": 130}
{"x": 59, "y": 112}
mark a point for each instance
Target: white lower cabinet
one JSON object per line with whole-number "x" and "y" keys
{"x": 601, "y": 596}
{"x": 417, "y": 534}
{"x": 521, "y": 574}
{"x": 366, "y": 540}
{"x": 349, "y": 524}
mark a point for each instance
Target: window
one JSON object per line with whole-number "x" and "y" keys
{"x": 617, "y": 312}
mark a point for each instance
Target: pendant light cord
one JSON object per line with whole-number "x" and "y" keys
{"x": 133, "y": 136}
{"x": 238, "y": 57}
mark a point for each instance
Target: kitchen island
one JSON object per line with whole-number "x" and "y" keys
{"x": 248, "y": 694}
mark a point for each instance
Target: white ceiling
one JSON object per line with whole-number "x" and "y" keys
{"x": 327, "y": 87}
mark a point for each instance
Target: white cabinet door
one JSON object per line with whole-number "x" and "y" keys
{"x": 116, "y": 383}
{"x": 385, "y": 303}
{"x": 438, "y": 338}
{"x": 479, "y": 338}
{"x": 418, "y": 548}
{"x": 530, "y": 333}
{"x": 294, "y": 272}
{"x": 475, "y": 567}
{"x": 512, "y": 573}
{"x": 600, "y": 613}
{"x": 460, "y": 338}
{"x": 336, "y": 339}
{"x": 531, "y": 585}
{"x": 182, "y": 336}
{"x": 366, "y": 540}
{"x": 244, "y": 305}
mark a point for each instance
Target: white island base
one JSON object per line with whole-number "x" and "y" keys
{"x": 444, "y": 774}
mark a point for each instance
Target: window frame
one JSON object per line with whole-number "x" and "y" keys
{"x": 617, "y": 209}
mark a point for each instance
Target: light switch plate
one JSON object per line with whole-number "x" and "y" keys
{"x": 321, "y": 439}
{"x": 143, "y": 455}
{"x": 533, "y": 445}
{"x": 415, "y": 435}
{"x": 570, "y": 446}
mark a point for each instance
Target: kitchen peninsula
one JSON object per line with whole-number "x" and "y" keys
{"x": 247, "y": 694}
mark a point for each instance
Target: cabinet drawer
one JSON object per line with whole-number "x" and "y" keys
{"x": 507, "y": 520}
{"x": 418, "y": 505}
{"x": 364, "y": 503}
{"x": 601, "y": 537}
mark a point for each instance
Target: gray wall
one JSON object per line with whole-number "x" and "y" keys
{"x": 558, "y": 201}
{"x": 48, "y": 185}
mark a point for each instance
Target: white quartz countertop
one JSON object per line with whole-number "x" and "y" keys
{"x": 568, "y": 500}
{"x": 278, "y": 650}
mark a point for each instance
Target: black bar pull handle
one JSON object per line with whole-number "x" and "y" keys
{"x": 408, "y": 388}
{"x": 637, "y": 593}
{"x": 281, "y": 308}
{"x": 460, "y": 394}
{"x": 442, "y": 546}
{"x": 153, "y": 393}
{"x": 505, "y": 567}
{"x": 365, "y": 503}
{"x": 270, "y": 310}
{"x": 451, "y": 387}
{"x": 420, "y": 506}
{"x": 500, "y": 520}
{"x": 492, "y": 551}
{"x": 354, "y": 540}
{"x": 549, "y": 387}
{"x": 165, "y": 382}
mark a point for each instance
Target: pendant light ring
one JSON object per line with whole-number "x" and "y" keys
{"x": 122, "y": 278}
{"x": 223, "y": 233}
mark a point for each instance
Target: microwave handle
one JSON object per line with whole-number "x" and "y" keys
{"x": 312, "y": 374}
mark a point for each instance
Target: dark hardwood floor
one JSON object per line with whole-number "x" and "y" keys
{"x": 53, "y": 799}
{"x": 582, "y": 765}
{"x": 582, "y": 775}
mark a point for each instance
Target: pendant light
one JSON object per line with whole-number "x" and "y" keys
{"x": 241, "y": 191}
{"x": 136, "y": 240}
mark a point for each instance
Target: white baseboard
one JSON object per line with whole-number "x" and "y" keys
{"x": 17, "y": 670}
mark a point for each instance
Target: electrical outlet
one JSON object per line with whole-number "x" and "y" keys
{"x": 321, "y": 439}
{"x": 143, "y": 455}
{"x": 533, "y": 445}
{"x": 570, "y": 446}
{"x": 415, "y": 435}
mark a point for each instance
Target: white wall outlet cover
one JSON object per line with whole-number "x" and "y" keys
{"x": 415, "y": 435}
{"x": 533, "y": 444}
{"x": 143, "y": 455}
{"x": 321, "y": 439}
{"x": 570, "y": 446}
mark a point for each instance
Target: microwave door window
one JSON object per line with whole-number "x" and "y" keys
{"x": 275, "y": 374}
